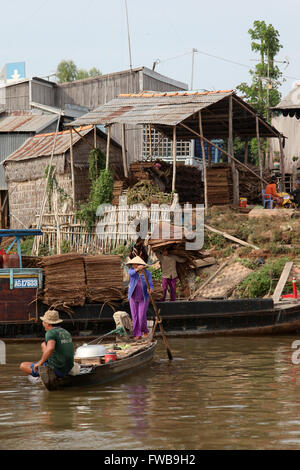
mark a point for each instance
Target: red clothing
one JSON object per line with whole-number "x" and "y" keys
{"x": 271, "y": 189}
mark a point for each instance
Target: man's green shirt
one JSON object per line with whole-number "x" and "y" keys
{"x": 62, "y": 358}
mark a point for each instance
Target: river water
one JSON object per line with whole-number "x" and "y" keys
{"x": 217, "y": 394}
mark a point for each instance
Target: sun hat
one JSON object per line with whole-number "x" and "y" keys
{"x": 137, "y": 260}
{"x": 51, "y": 317}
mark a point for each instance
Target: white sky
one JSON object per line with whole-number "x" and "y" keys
{"x": 94, "y": 33}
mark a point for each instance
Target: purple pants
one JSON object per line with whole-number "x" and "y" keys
{"x": 138, "y": 311}
{"x": 169, "y": 283}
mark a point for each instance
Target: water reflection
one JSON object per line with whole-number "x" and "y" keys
{"x": 218, "y": 393}
{"x": 137, "y": 409}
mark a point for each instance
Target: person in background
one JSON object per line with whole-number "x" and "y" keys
{"x": 57, "y": 349}
{"x": 139, "y": 296}
{"x": 271, "y": 189}
{"x": 296, "y": 194}
{"x": 169, "y": 273}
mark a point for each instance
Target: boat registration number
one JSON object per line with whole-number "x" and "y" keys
{"x": 25, "y": 283}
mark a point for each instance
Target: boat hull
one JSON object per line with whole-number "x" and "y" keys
{"x": 182, "y": 318}
{"x": 99, "y": 374}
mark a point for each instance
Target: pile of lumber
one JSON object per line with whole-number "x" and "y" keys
{"x": 64, "y": 279}
{"x": 104, "y": 278}
{"x": 250, "y": 186}
{"x": 219, "y": 180}
{"x": 31, "y": 261}
{"x": 119, "y": 187}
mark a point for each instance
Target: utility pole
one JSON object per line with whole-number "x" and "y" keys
{"x": 129, "y": 45}
{"x": 193, "y": 66}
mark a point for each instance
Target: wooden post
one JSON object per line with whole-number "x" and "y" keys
{"x": 192, "y": 131}
{"x": 209, "y": 155}
{"x": 150, "y": 137}
{"x": 95, "y": 137}
{"x": 259, "y": 151}
{"x": 236, "y": 191}
{"x": 108, "y": 147}
{"x": 124, "y": 151}
{"x": 203, "y": 163}
{"x": 246, "y": 150}
{"x": 174, "y": 158}
{"x": 282, "y": 169}
{"x": 72, "y": 166}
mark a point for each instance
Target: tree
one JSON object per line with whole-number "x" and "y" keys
{"x": 263, "y": 91}
{"x": 67, "y": 71}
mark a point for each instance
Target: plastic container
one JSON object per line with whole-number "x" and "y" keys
{"x": 243, "y": 202}
{"x": 11, "y": 260}
{"x": 111, "y": 356}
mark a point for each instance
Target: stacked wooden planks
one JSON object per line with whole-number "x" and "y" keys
{"x": 104, "y": 278}
{"x": 218, "y": 184}
{"x": 119, "y": 187}
{"x": 64, "y": 279}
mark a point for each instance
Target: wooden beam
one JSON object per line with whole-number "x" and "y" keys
{"x": 282, "y": 168}
{"x": 222, "y": 151}
{"x": 282, "y": 281}
{"x": 83, "y": 137}
{"x": 174, "y": 148}
{"x": 150, "y": 142}
{"x": 259, "y": 150}
{"x": 235, "y": 183}
{"x": 108, "y": 147}
{"x": 230, "y": 237}
{"x": 95, "y": 136}
{"x": 72, "y": 166}
{"x": 203, "y": 164}
{"x": 124, "y": 151}
{"x": 246, "y": 150}
{"x": 265, "y": 124}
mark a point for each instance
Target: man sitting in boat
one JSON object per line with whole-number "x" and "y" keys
{"x": 57, "y": 349}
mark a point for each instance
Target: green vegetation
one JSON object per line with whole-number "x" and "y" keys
{"x": 262, "y": 281}
{"x": 146, "y": 193}
{"x": 67, "y": 71}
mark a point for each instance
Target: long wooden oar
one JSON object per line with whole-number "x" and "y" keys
{"x": 158, "y": 320}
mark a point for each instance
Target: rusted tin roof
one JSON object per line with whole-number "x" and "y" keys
{"x": 19, "y": 121}
{"x": 151, "y": 108}
{"x": 165, "y": 110}
{"x": 41, "y": 145}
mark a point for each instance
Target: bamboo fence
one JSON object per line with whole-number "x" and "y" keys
{"x": 117, "y": 226}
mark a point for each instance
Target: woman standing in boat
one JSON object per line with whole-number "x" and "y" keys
{"x": 138, "y": 296}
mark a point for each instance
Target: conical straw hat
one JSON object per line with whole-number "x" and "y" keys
{"x": 137, "y": 260}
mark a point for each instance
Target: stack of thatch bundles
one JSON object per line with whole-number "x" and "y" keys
{"x": 64, "y": 279}
{"x": 104, "y": 278}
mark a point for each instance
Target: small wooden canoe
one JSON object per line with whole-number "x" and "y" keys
{"x": 97, "y": 374}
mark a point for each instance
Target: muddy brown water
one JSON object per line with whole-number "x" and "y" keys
{"x": 217, "y": 393}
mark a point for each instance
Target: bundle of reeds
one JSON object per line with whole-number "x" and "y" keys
{"x": 64, "y": 279}
{"x": 104, "y": 278}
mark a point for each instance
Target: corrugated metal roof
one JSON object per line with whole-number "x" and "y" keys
{"x": 151, "y": 108}
{"x": 41, "y": 145}
{"x": 18, "y": 121}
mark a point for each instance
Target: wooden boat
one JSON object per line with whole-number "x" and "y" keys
{"x": 137, "y": 357}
